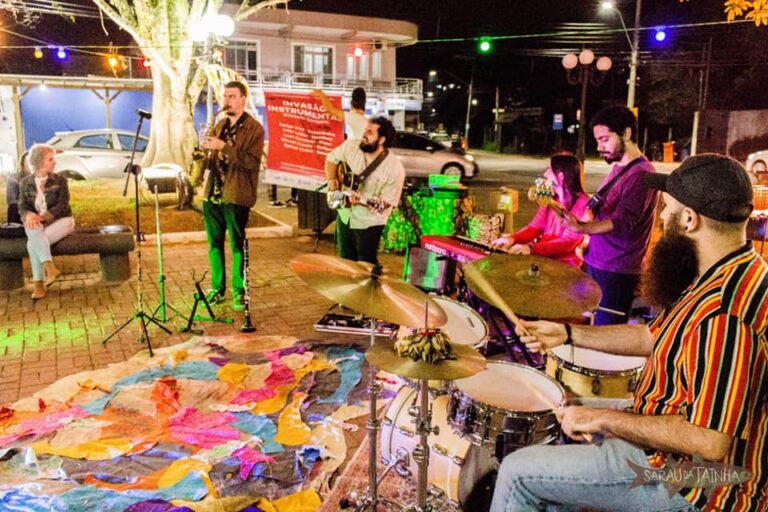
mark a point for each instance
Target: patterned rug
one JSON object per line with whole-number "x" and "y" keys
{"x": 214, "y": 424}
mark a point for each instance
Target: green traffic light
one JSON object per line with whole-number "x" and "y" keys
{"x": 485, "y": 45}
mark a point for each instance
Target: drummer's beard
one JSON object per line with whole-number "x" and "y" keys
{"x": 673, "y": 266}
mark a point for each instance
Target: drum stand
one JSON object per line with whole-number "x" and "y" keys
{"x": 421, "y": 452}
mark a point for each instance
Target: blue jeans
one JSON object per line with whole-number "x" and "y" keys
{"x": 40, "y": 240}
{"x": 570, "y": 477}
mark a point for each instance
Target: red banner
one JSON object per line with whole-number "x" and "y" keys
{"x": 301, "y": 134}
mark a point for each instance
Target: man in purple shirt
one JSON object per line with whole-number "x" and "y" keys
{"x": 622, "y": 221}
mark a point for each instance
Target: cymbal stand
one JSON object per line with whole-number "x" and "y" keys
{"x": 370, "y": 499}
{"x": 421, "y": 452}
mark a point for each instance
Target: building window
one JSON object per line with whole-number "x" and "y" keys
{"x": 376, "y": 64}
{"x": 243, "y": 57}
{"x": 313, "y": 60}
{"x": 357, "y": 67}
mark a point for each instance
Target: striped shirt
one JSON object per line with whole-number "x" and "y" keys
{"x": 710, "y": 363}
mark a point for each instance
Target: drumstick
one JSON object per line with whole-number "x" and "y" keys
{"x": 495, "y": 299}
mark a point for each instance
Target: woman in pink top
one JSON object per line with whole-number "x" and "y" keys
{"x": 547, "y": 235}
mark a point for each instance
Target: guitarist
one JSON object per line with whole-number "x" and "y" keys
{"x": 548, "y": 234}
{"x": 377, "y": 174}
{"x": 623, "y": 210}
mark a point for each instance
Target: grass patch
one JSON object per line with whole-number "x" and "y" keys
{"x": 101, "y": 203}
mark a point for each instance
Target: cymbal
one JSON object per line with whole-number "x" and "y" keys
{"x": 468, "y": 362}
{"x": 533, "y": 285}
{"x": 356, "y": 285}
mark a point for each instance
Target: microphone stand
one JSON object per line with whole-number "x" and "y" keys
{"x": 160, "y": 272}
{"x": 139, "y": 313}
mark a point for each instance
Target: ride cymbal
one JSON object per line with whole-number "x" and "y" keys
{"x": 358, "y": 286}
{"x": 468, "y": 362}
{"x": 533, "y": 286}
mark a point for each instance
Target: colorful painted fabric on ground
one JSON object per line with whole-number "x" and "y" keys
{"x": 208, "y": 425}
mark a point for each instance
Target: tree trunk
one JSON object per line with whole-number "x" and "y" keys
{"x": 173, "y": 135}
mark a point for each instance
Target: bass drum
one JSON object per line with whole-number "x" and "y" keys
{"x": 460, "y": 473}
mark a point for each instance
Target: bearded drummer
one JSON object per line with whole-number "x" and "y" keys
{"x": 703, "y": 393}
{"x": 547, "y": 234}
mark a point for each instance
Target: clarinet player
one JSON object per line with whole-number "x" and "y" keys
{"x": 236, "y": 145}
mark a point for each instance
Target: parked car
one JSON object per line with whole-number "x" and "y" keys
{"x": 103, "y": 154}
{"x": 92, "y": 154}
{"x": 422, "y": 156}
{"x": 757, "y": 165}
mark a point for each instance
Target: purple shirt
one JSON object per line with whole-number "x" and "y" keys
{"x": 631, "y": 206}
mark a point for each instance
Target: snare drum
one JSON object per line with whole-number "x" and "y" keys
{"x": 506, "y": 407}
{"x": 455, "y": 465}
{"x": 591, "y": 373}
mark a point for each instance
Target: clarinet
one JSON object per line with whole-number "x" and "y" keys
{"x": 247, "y": 325}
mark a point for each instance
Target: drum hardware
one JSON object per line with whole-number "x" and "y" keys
{"x": 200, "y": 297}
{"x": 247, "y": 326}
{"x": 348, "y": 323}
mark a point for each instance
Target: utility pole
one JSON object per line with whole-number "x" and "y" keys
{"x": 634, "y": 58}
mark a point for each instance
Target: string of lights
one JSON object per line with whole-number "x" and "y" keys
{"x": 111, "y": 51}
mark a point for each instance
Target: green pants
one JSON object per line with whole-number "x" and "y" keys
{"x": 221, "y": 219}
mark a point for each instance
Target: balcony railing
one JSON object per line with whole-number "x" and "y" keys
{"x": 267, "y": 79}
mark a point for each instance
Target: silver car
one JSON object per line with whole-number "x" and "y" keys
{"x": 422, "y": 156}
{"x": 92, "y": 154}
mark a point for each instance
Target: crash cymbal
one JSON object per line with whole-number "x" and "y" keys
{"x": 356, "y": 285}
{"x": 468, "y": 362}
{"x": 533, "y": 285}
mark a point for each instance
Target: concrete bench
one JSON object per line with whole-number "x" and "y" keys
{"x": 111, "y": 243}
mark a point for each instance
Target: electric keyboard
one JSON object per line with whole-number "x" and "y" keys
{"x": 457, "y": 248}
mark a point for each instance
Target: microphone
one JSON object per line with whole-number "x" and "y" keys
{"x": 144, "y": 114}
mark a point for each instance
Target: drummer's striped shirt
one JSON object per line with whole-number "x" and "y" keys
{"x": 710, "y": 363}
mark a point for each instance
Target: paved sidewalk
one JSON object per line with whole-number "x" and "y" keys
{"x": 62, "y": 334}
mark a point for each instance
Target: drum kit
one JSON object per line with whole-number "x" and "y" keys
{"x": 455, "y": 412}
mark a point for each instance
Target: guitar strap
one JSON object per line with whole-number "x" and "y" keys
{"x": 596, "y": 201}
{"x": 369, "y": 169}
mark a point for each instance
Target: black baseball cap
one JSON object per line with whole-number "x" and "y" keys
{"x": 713, "y": 185}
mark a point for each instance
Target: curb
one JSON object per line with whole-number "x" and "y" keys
{"x": 281, "y": 230}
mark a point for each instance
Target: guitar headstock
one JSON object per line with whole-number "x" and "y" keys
{"x": 543, "y": 193}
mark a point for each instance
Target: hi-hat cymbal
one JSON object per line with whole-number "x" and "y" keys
{"x": 533, "y": 285}
{"x": 468, "y": 362}
{"x": 356, "y": 285}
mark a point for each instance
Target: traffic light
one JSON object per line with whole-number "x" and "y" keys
{"x": 660, "y": 35}
{"x": 485, "y": 45}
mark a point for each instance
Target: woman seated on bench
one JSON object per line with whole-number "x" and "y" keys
{"x": 44, "y": 209}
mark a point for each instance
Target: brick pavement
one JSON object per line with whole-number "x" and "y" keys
{"x": 61, "y": 334}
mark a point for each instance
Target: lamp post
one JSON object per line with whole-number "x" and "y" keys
{"x": 579, "y": 71}
{"x": 634, "y": 46}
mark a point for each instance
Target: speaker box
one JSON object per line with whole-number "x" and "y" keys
{"x": 430, "y": 271}
{"x": 314, "y": 213}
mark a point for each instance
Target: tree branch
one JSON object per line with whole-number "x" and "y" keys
{"x": 122, "y": 20}
{"x": 246, "y": 9}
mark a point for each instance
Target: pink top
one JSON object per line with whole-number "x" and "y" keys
{"x": 550, "y": 236}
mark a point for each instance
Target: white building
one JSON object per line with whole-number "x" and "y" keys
{"x": 281, "y": 49}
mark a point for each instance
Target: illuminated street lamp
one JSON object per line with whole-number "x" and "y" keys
{"x": 634, "y": 46}
{"x": 579, "y": 71}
